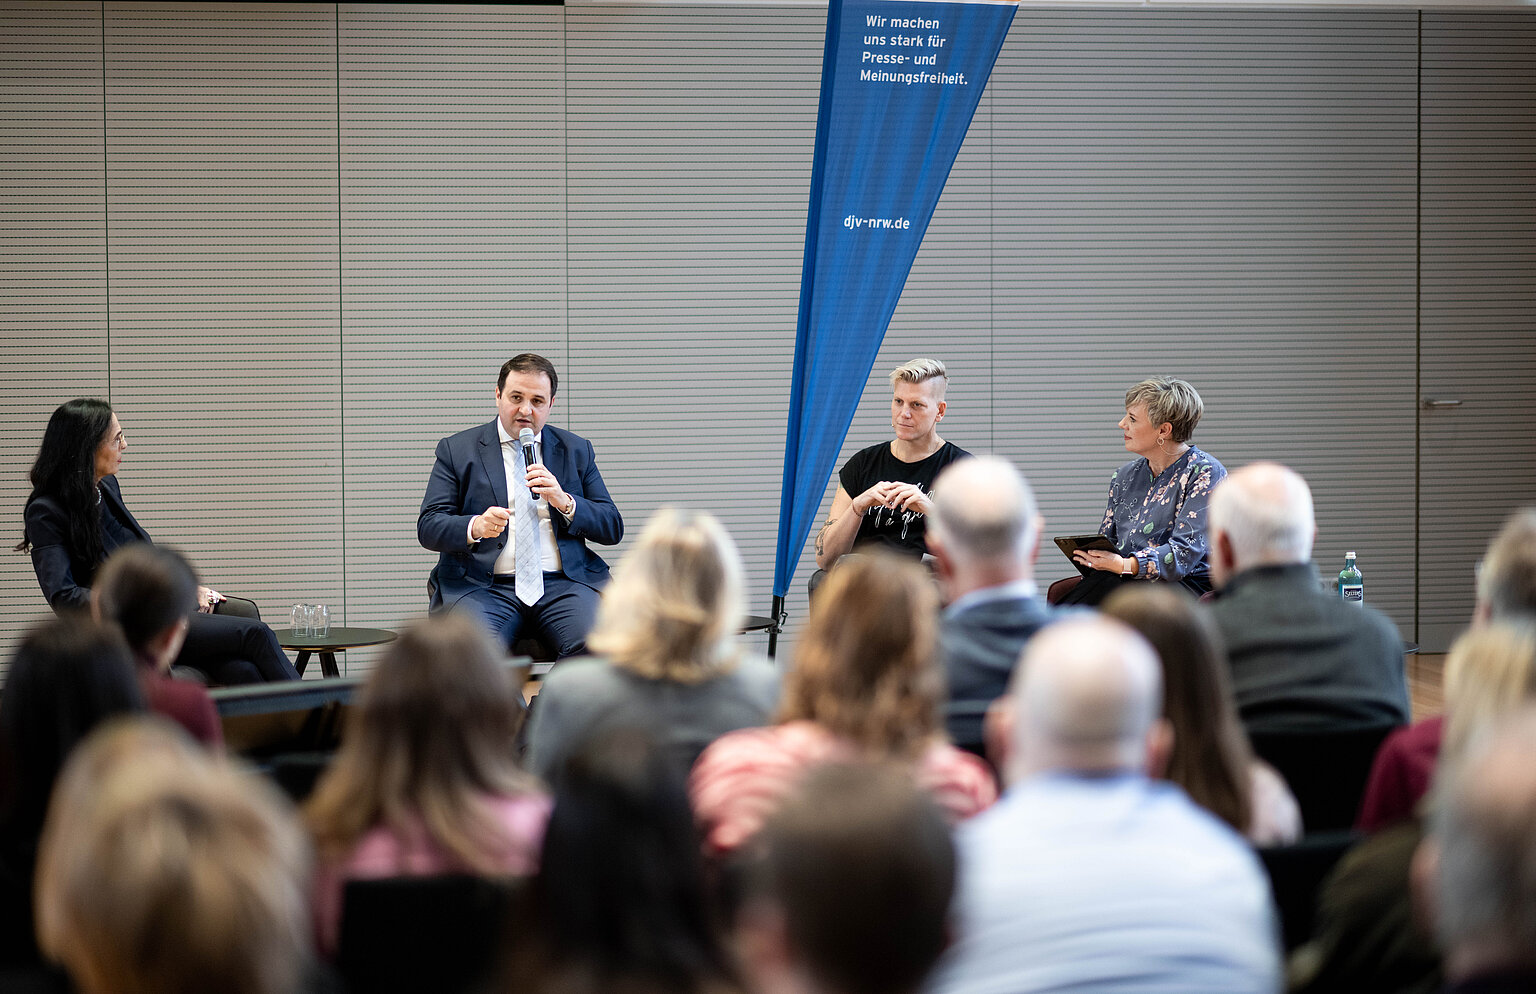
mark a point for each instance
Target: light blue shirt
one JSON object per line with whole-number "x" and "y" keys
{"x": 1115, "y": 885}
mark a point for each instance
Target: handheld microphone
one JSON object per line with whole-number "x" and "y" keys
{"x": 525, "y": 439}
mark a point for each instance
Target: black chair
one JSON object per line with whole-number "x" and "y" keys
{"x": 1296, "y": 874}
{"x": 1326, "y": 771}
{"x": 405, "y": 935}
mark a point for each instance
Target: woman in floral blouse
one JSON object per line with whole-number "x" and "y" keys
{"x": 1157, "y": 501}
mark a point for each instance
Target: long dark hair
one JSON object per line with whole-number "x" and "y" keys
{"x": 1211, "y": 757}
{"x": 68, "y": 676}
{"x": 65, "y": 471}
{"x": 620, "y": 902}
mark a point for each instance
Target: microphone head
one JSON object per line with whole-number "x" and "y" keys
{"x": 525, "y": 437}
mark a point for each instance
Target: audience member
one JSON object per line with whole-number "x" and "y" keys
{"x": 1478, "y": 865}
{"x": 164, "y": 871}
{"x": 75, "y": 516}
{"x": 865, "y": 684}
{"x": 668, "y": 625}
{"x": 68, "y": 676}
{"x": 1088, "y": 874}
{"x": 984, "y": 533}
{"x": 1367, "y": 932}
{"x": 881, "y": 502}
{"x": 1210, "y": 757}
{"x": 1302, "y": 660}
{"x": 150, "y": 592}
{"x": 619, "y": 902}
{"x": 850, "y": 887}
{"x": 425, "y": 781}
{"x": 1489, "y": 666}
{"x": 1506, "y": 579}
{"x": 1156, "y": 512}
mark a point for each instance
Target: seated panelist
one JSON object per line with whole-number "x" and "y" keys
{"x": 1156, "y": 515}
{"x": 512, "y": 536}
{"x": 882, "y": 493}
{"x": 75, "y": 517}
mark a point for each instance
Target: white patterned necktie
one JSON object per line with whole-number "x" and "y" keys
{"x": 530, "y": 561}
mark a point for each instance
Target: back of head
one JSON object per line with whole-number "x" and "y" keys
{"x": 619, "y": 902}
{"x": 144, "y": 589}
{"x": 1085, "y": 696}
{"x": 1484, "y": 828}
{"x": 1490, "y": 671}
{"x": 984, "y": 512}
{"x": 675, "y": 604}
{"x": 852, "y": 844}
{"x": 433, "y": 737}
{"x": 1506, "y": 582}
{"x": 1265, "y": 510}
{"x": 164, "y": 871}
{"x": 68, "y": 676}
{"x": 865, "y": 668}
{"x": 923, "y": 370}
{"x": 1211, "y": 756}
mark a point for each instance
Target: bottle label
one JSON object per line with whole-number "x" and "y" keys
{"x": 1353, "y": 593}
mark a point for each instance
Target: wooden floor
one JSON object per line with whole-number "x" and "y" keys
{"x": 1424, "y": 683}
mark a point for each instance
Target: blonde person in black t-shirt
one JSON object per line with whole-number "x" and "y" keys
{"x": 882, "y": 494}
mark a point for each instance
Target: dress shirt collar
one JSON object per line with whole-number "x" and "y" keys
{"x": 501, "y": 433}
{"x": 1014, "y": 591}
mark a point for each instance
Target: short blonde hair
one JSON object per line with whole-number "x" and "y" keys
{"x": 674, "y": 608}
{"x": 1168, "y": 400}
{"x": 1490, "y": 671}
{"x": 921, "y": 371}
{"x": 866, "y": 667}
{"x": 162, "y": 870}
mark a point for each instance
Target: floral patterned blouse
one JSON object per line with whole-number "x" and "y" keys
{"x": 1161, "y": 519}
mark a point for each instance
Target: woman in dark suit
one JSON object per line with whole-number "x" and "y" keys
{"x": 75, "y": 517}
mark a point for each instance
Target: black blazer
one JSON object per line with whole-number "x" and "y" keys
{"x": 65, "y": 579}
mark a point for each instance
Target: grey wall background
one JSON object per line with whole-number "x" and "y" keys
{"x": 293, "y": 242}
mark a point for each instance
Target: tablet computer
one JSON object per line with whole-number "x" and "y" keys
{"x": 1069, "y": 544}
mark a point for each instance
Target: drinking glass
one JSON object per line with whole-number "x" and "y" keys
{"x": 300, "y": 619}
{"x": 319, "y": 621}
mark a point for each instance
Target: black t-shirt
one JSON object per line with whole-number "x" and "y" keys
{"x": 894, "y": 530}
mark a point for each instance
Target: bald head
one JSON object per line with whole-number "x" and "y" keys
{"x": 1260, "y": 515}
{"x": 1086, "y": 696}
{"x": 984, "y": 519}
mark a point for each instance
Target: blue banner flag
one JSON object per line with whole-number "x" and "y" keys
{"x": 900, "y": 82}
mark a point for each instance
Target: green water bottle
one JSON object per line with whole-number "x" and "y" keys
{"x": 1351, "y": 582}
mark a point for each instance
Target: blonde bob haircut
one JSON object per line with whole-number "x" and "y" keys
{"x": 1489, "y": 671}
{"x": 1170, "y": 401}
{"x": 165, "y": 871}
{"x": 675, "y": 605}
{"x": 429, "y": 748}
{"x": 921, "y": 371}
{"x": 866, "y": 667}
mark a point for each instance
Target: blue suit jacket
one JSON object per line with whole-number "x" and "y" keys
{"x": 469, "y": 476}
{"x": 66, "y": 580}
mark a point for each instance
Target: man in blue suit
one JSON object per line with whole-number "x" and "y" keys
{"x": 513, "y": 535}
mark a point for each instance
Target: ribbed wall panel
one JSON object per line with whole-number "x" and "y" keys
{"x": 222, "y": 199}
{"x": 453, "y": 248}
{"x": 53, "y": 272}
{"x": 689, "y": 153}
{"x": 326, "y": 226}
{"x": 1479, "y": 300}
{"x": 1226, "y": 197}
